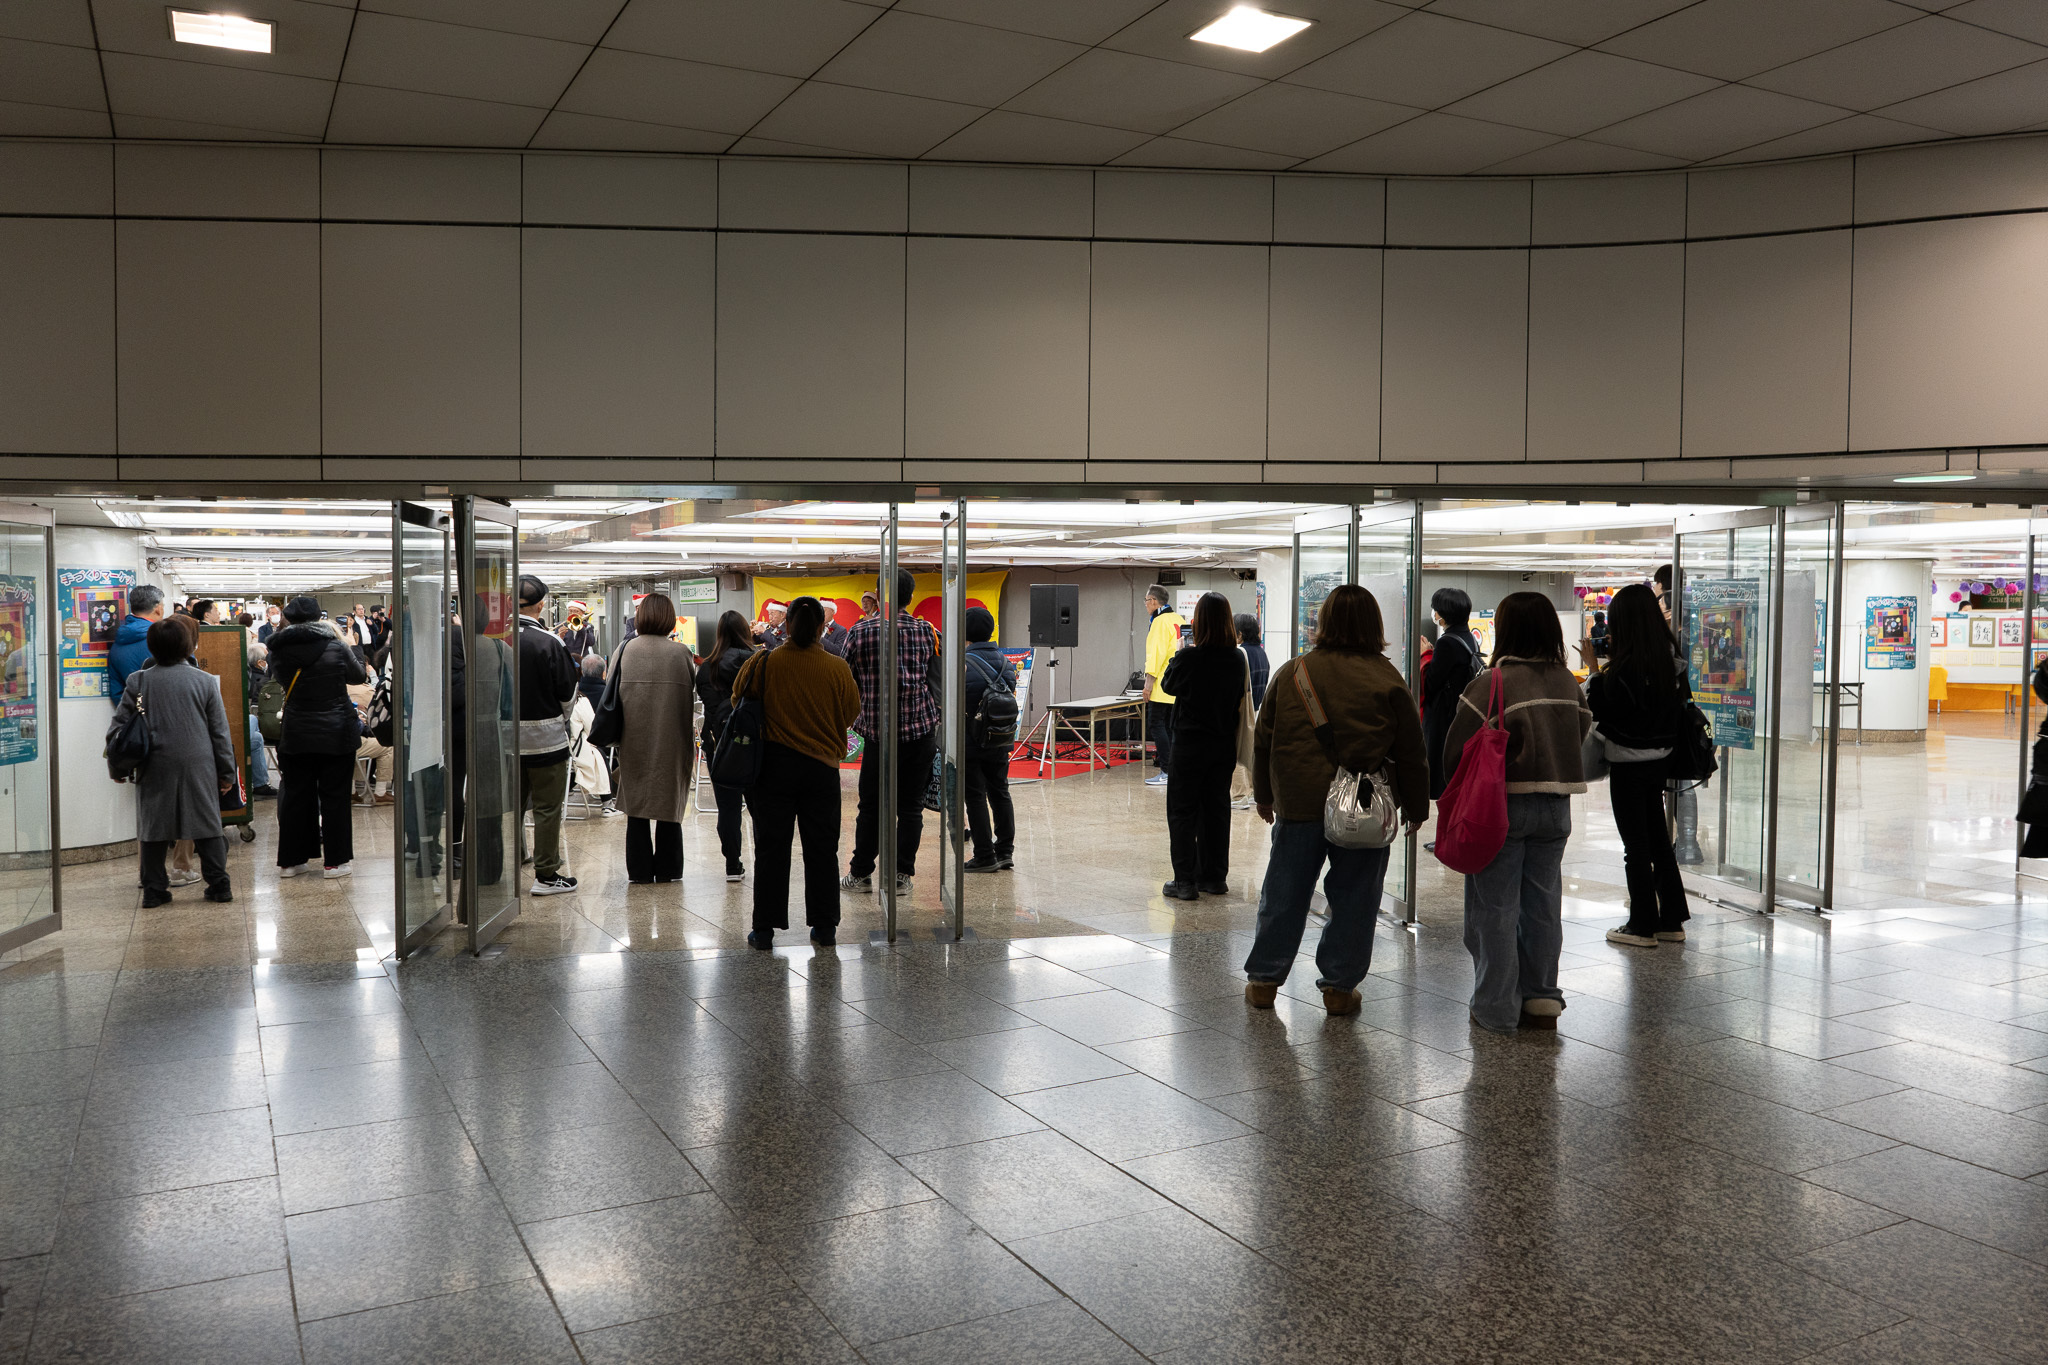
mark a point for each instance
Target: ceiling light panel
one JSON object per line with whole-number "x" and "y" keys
{"x": 222, "y": 30}
{"x": 1250, "y": 30}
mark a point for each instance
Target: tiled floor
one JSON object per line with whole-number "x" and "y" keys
{"x": 241, "y": 1133}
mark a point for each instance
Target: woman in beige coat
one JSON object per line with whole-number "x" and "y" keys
{"x": 656, "y": 756}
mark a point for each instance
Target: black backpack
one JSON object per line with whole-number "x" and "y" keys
{"x": 994, "y": 722}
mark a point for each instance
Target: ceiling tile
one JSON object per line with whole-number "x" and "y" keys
{"x": 1584, "y": 91}
{"x": 136, "y": 125}
{"x": 1164, "y": 31}
{"x": 632, "y": 85}
{"x": 1578, "y": 157}
{"x": 588, "y": 132}
{"x": 1174, "y": 151}
{"x": 373, "y": 114}
{"x": 2021, "y": 18}
{"x": 42, "y": 120}
{"x": 870, "y": 122}
{"x": 1434, "y": 144}
{"x": 1580, "y": 22}
{"x": 1898, "y": 64}
{"x": 1075, "y": 21}
{"x": 469, "y": 63}
{"x": 1852, "y": 134}
{"x": 1737, "y": 38}
{"x": 788, "y": 37}
{"x": 2003, "y": 103}
{"x": 1004, "y": 135}
{"x": 1293, "y": 120}
{"x": 48, "y": 21}
{"x": 310, "y": 39}
{"x": 203, "y": 93}
{"x": 941, "y": 59}
{"x": 53, "y": 74}
{"x": 1427, "y": 60}
{"x": 572, "y": 21}
{"x": 1717, "y": 122}
{"x": 1122, "y": 90}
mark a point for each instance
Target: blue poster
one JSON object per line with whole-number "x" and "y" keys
{"x": 1890, "y": 639}
{"x": 1725, "y": 619}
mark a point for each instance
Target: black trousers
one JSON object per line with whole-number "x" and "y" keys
{"x": 988, "y": 791}
{"x": 732, "y": 805}
{"x": 1159, "y": 729}
{"x": 913, "y": 775}
{"x": 313, "y": 816}
{"x": 1656, "y": 895}
{"x": 1198, "y": 807}
{"x": 213, "y": 864}
{"x": 796, "y": 796}
{"x": 654, "y": 850}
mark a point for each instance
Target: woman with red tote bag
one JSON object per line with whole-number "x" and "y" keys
{"x": 1526, "y": 714}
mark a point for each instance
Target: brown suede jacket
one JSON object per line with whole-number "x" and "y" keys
{"x": 1546, "y": 718}
{"x": 1373, "y": 721}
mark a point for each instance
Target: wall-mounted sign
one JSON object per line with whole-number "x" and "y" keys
{"x": 1890, "y": 632}
{"x": 1724, "y": 614}
{"x": 93, "y": 603}
{"x": 695, "y": 591}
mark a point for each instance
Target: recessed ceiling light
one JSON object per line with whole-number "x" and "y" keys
{"x": 221, "y": 30}
{"x": 1934, "y": 478}
{"x": 1252, "y": 30}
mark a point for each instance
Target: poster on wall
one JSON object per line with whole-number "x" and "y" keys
{"x": 18, "y": 720}
{"x": 1725, "y": 617}
{"x": 1020, "y": 659}
{"x": 983, "y": 590}
{"x": 1937, "y": 633}
{"x": 1820, "y": 635}
{"x": 2012, "y": 632}
{"x": 1983, "y": 632}
{"x": 94, "y": 602}
{"x": 2041, "y": 629}
{"x": 1184, "y": 600}
{"x": 1890, "y": 632}
{"x": 1259, "y": 604}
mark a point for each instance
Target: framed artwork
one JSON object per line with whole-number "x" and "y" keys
{"x": 2011, "y": 633}
{"x": 1983, "y": 632}
{"x": 1937, "y": 633}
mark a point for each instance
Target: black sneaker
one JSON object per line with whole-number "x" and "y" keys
{"x": 264, "y": 792}
{"x": 735, "y": 870}
{"x": 1180, "y": 891}
{"x": 221, "y": 894}
{"x": 1213, "y": 888}
{"x": 152, "y": 899}
{"x": 557, "y": 885}
{"x": 828, "y": 935}
{"x": 762, "y": 939}
{"x": 981, "y": 862}
{"x": 1004, "y": 862}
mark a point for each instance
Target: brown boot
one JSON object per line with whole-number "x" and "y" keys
{"x": 1341, "y": 1002}
{"x": 1259, "y": 994}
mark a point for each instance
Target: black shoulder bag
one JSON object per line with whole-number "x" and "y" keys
{"x": 128, "y": 742}
{"x": 608, "y": 726}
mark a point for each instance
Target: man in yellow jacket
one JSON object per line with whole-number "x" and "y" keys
{"x": 1162, "y": 642}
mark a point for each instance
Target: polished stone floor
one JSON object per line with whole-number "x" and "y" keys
{"x": 242, "y": 1133}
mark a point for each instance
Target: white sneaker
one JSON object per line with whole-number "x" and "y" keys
{"x": 340, "y": 870}
{"x": 177, "y": 878}
{"x": 1543, "y": 1007}
{"x": 557, "y": 885}
{"x": 1242, "y": 803}
{"x": 295, "y": 870}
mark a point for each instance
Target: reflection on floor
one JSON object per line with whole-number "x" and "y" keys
{"x": 240, "y": 1132}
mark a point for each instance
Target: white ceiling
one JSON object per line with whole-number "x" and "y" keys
{"x": 1440, "y": 87}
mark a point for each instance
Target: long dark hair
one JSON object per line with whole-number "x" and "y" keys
{"x": 806, "y": 618}
{"x": 1213, "y": 622}
{"x": 733, "y": 633}
{"x": 1525, "y": 627}
{"x": 1638, "y": 639}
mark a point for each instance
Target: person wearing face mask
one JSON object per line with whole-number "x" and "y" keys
{"x": 273, "y": 622}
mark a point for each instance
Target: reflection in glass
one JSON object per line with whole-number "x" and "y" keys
{"x": 492, "y": 719}
{"x": 420, "y": 613}
{"x": 1322, "y": 562}
{"x": 1727, "y": 590}
{"x": 1802, "y": 724}
{"x": 27, "y": 875}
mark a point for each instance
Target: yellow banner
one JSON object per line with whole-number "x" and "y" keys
{"x": 983, "y": 590}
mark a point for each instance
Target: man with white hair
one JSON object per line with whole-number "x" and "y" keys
{"x": 769, "y": 631}
{"x": 833, "y": 637}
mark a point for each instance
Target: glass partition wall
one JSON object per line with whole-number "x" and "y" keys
{"x": 420, "y": 657}
{"x": 30, "y": 895}
{"x": 487, "y": 656}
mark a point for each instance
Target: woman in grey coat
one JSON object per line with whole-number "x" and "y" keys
{"x": 656, "y": 757}
{"x": 191, "y": 762}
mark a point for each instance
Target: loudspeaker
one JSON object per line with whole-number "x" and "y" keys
{"x": 1056, "y": 615}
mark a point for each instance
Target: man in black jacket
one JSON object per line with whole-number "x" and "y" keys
{"x": 547, "y": 687}
{"x": 987, "y": 760}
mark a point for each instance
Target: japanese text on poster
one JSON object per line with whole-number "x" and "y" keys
{"x": 94, "y": 602}
{"x": 1725, "y": 617}
{"x": 1891, "y": 632}
{"x": 18, "y": 719}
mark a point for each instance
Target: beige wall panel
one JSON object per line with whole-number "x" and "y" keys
{"x": 1184, "y": 206}
{"x": 588, "y": 472}
{"x": 621, "y": 191}
{"x": 1970, "y": 177}
{"x": 810, "y": 347}
{"x": 997, "y": 350}
{"x": 1951, "y": 342}
{"x": 217, "y": 182}
{"x": 1454, "y": 376}
{"x": 1002, "y": 201}
{"x": 57, "y": 337}
{"x": 430, "y": 187}
{"x": 997, "y": 472}
{"x": 1609, "y": 208}
{"x": 56, "y": 177}
{"x": 1787, "y": 197}
{"x": 1334, "y": 209}
{"x": 618, "y": 342}
{"x": 1178, "y": 352}
{"x": 1458, "y": 212}
{"x": 1767, "y": 345}
{"x": 813, "y": 196}
{"x": 420, "y": 340}
{"x": 219, "y": 338}
{"x": 1606, "y": 352}
{"x": 1324, "y": 368}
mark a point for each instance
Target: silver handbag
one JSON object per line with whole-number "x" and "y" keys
{"x": 1359, "y": 811}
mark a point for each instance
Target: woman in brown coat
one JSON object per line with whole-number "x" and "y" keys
{"x": 656, "y": 757}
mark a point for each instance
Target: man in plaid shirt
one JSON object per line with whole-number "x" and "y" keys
{"x": 917, "y": 735}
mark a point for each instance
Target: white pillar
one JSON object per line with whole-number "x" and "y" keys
{"x": 96, "y": 810}
{"x": 1894, "y": 699}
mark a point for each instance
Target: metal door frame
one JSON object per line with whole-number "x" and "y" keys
{"x": 2031, "y": 600}
{"x": 885, "y": 727}
{"x": 1329, "y": 518}
{"x": 1795, "y": 896}
{"x": 405, "y": 514}
{"x": 469, "y": 507}
{"x": 953, "y": 717}
{"x": 1400, "y": 908}
{"x": 23, "y": 514}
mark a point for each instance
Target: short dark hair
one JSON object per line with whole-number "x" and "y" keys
{"x": 201, "y": 607}
{"x": 981, "y": 625}
{"x": 1349, "y": 618}
{"x": 655, "y": 615}
{"x": 1525, "y": 627}
{"x": 301, "y": 609}
{"x": 1454, "y": 605}
{"x": 531, "y": 590}
{"x": 906, "y": 589}
{"x": 1160, "y": 593}
{"x": 1248, "y": 632}
{"x": 169, "y": 642}
{"x": 1662, "y": 578}
{"x": 1212, "y": 623}
{"x": 244, "y": 619}
{"x": 144, "y": 597}
{"x": 806, "y": 618}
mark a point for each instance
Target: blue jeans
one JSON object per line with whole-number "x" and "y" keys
{"x": 259, "y": 762}
{"x": 1514, "y": 911}
{"x": 1352, "y": 888}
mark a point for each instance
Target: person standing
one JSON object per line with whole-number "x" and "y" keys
{"x": 1251, "y": 640}
{"x": 191, "y": 763}
{"x": 273, "y": 622}
{"x": 834, "y": 634}
{"x": 130, "y": 649}
{"x": 1162, "y": 641}
{"x": 1514, "y": 906}
{"x": 1209, "y": 681}
{"x": 578, "y": 635}
{"x": 808, "y": 698}
{"x": 259, "y": 755}
{"x": 655, "y": 675}
{"x": 1373, "y": 722}
{"x": 1638, "y": 702}
{"x": 547, "y": 684}
{"x": 316, "y": 756}
{"x": 917, "y": 735}
{"x": 729, "y": 653}
{"x": 768, "y": 631}
{"x": 988, "y": 760}
{"x": 1453, "y": 663}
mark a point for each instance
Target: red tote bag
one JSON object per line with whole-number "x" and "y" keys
{"x": 1472, "y": 815}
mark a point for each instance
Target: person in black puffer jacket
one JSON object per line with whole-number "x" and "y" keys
{"x": 316, "y": 664}
{"x": 1209, "y": 682}
{"x": 735, "y": 645}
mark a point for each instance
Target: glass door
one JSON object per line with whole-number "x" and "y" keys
{"x": 953, "y": 714}
{"x": 31, "y": 902}
{"x": 419, "y": 664}
{"x": 1808, "y": 705}
{"x": 2035, "y": 640}
{"x": 487, "y": 656}
{"x": 1325, "y": 555}
{"x": 884, "y": 726}
{"x": 1728, "y": 613}
{"x": 1387, "y": 562}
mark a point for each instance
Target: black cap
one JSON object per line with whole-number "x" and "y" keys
{"x": 531, "y": 590}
